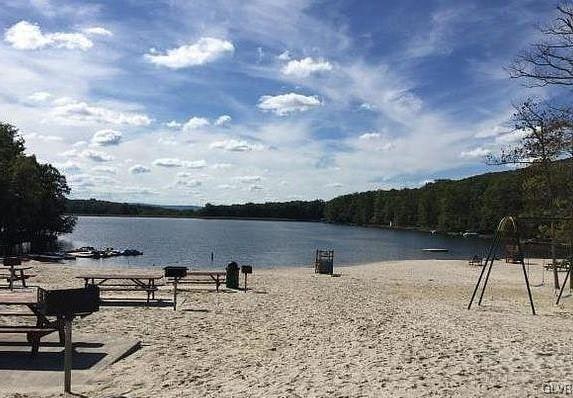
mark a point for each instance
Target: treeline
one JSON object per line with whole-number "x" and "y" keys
{"x": 32, "y": 197}
{"x": 472, "y": 204}
{"x": 103, "y": 208}
{"x": 294, "y": 210}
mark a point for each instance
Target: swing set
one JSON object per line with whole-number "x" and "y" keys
{"x": 508, "y": 236}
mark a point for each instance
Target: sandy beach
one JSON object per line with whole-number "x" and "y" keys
{"x": 383, "y": 329}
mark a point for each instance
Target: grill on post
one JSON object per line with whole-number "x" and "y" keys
{"x": 65, "y": 304}
{"x": 246, "y": 270}
{"x": 68, "y": 302}
{"x": 175, "y": 272}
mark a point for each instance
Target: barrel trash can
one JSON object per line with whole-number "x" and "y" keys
{"x": 232, "y": 278}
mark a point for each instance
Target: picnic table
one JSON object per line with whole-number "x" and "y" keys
{"x": 43, "y": 326}
{"x": 124, "y": 282}
{"x": 204, "y": 277}
{"x": 197, "y": 277}
{"x": 15, "y": 274}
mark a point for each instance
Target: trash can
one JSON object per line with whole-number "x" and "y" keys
{"x": 232, "y": 278}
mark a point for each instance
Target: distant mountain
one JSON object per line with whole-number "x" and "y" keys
{"x": 101, "y": 207}
{"x": 179, "y": 207}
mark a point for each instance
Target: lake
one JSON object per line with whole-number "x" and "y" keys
{"x": 173, "y": 241}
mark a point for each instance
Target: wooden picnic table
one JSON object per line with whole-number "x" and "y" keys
{"x": 197, "y": 277}
{"x": 43, "y": 327}
{"x": 14, "y": 274}
{"x": 216, "y": 277}
{"x": 124, "y": 282}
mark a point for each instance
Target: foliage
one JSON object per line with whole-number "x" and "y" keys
{"x": 472, "y": 204}
{"x": 32, "y": 195}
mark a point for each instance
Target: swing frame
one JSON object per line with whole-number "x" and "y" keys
{"x": 499, "y": 236}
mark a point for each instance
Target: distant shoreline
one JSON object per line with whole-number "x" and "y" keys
{"x": 194, "y": 217}
{"x": 387, "y": 227}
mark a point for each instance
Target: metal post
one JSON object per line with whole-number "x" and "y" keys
{"x": 567, "y": 275}
{"x": 491, "y": 257}
{"x": 485, "y": 282}
{"x": 175, "y": 294}
{"x": 522, "y": 258}
{"x": 68, "y": 355}
{"x": 245, "y": 283}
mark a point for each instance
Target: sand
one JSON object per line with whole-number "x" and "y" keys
{"x": 385, "y": 329}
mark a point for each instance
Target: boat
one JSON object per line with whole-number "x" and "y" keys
{"x": 82, "y": 249}
{"x": 45, "y": 258}
{"x": 86, "y": 254}
{"x": 436, "y": 250}
{"x": 131, "y": 252}
{"x": 469, "y": 234}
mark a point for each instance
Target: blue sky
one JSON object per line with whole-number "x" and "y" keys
{"x": 188, "y": 102}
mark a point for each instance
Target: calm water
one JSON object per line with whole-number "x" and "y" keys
{"x": 168, "y": 241}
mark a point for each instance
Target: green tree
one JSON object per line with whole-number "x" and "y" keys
{"x": 32, "y": 196}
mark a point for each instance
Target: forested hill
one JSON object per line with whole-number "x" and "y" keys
{"x": 101, "y": 208}
{"x": 471, "y": 204}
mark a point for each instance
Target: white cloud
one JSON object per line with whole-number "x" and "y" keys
{"x": 137, "y": 191}
{"x": 233, "y": 145}
{"x": 475, "y": 153}
{"x": 511, "y": 138}
{"x": 367, "y": 107}
{"x": 169, "y": 141}
{"x": 104, "y": 169}
{"x": 284, "y": 56}
{"x": 74, "y": 111}
{"x": 248, "y": 179}
{"x": 197, "y": 164}
{"x": 226, "y": 186}
{"x": 168, "y": 162}
{"x": 106, "y": 137}
{"x": 173, "y": 124}
{"x": 139, "y": 169}
{"x": 288, "y": 103}
{"x": 255, "y": 188}
{"x": 195, "y": 123}
{"x": 39, "y": 96}
{"x": 98, "y": 31}
{"x": 28, "y": 36}
{"x": 221, "y": 166}
{"x": 206, "y": 49}
{"x": 491, "y": 131}
{"x": 189, "y": 183}
{"x": 68, "y": 166}
{"x": 223, "y": 120}
{"x": 174, "y": 162}
{"x": 305, "y": 67}
{"x": 40, "y": 137}
{"x": 334, "y": 185}
{"x": 370, "y": 136}
{"x": 96, "y": 156}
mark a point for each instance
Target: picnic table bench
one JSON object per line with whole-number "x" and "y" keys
{"x": 33, "y": 333}
{"x": 14, "y": 272}
{"x": 124, "y": 283}
{"x": 202, "y": 277}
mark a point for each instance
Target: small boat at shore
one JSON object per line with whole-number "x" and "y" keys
{"x": 91, "y": 252}
{"x": 51, "y": 257}
{"x": 436, "y": 250}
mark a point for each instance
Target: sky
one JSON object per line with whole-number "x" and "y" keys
{"x": 226, "y": 101}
